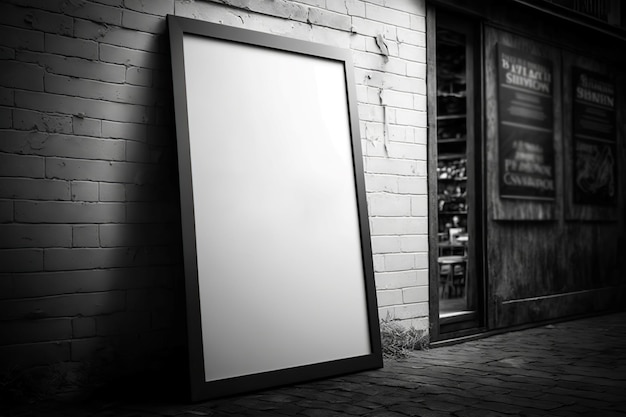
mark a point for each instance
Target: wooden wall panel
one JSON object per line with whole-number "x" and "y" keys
{"x": 548, "y": 260}
{"x": 540, "y": 271}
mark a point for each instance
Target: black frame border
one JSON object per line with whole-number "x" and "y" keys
{"x": 199, "y": 388}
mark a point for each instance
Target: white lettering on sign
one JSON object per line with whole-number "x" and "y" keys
{"x": 511, "y": 178}
{"x": 522, "y": 73}
{"x": 595, "y": 97}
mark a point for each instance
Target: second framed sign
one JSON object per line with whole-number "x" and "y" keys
{"x": 594, "y": 135}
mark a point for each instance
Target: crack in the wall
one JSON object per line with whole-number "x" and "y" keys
{"x": 382, "y": 45}
{"x": 237, "y": 6}
{"x": 75, "y": 3}
{"x": 383, "y": 103}
{"x": 238, "y": 16}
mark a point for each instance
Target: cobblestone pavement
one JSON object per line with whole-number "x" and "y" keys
{"x": 575, "y": 368}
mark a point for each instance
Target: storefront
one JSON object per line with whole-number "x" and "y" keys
{"x": 486, "y": 140}
{"x": 526, "y": 163}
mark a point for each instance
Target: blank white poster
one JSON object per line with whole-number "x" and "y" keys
{"x": 280, "y": 267}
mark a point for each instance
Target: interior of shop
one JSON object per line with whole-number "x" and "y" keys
{"x": 452, "y": 198}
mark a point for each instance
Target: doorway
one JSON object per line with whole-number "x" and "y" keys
{"x": 455, "y": 161}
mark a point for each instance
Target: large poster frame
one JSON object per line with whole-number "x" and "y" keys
{"x": 251, "y": 321}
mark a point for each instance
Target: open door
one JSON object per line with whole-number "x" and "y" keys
{"x": 455, "y": 181}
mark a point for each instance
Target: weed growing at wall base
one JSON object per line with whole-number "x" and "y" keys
{"x": 397, "y": 340}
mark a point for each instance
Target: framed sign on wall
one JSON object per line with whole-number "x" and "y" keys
{"x": 595, "y": 139}
{"x": 526, "y": 125}
{"x": 277, "y": 254}
{"x": 523, "y": 133}
{"x": 591, "y": 122}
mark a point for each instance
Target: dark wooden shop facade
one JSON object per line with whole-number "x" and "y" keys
{"x": 527, "y": 162}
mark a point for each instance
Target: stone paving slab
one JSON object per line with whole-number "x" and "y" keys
{"x": 575, "y": 368}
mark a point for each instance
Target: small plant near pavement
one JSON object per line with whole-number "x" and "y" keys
{"x": 397, "y": 340}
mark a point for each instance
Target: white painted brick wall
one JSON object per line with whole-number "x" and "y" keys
{"x": 394, "y": 136}
{"x": 85, "y": 119}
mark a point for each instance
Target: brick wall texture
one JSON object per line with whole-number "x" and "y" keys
{"x": 90, "y": 245}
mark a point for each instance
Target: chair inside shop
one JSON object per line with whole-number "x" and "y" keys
{"x": 453, "y": 264}
{"x": 452, "y": 273}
